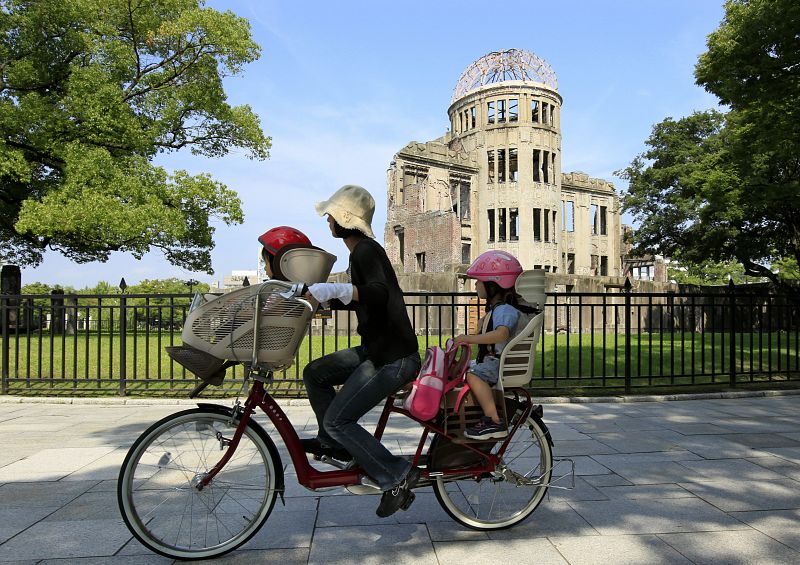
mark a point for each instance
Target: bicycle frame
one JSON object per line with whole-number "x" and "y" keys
{"x": 312, "y": 478}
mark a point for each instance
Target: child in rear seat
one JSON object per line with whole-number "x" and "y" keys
{"x": 496, "y": 272}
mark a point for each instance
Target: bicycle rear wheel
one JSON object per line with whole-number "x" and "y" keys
{"x": 509, "y": 494}
{"x": 157, "y": 492}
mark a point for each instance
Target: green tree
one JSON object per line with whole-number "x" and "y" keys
{"x": 161, "y": 311}
{"x": 166, "y": 286}
{"x": 102, "y": 287}
{"x": 713, "y": 188}
{"x": 90, "y": 92}
{"x": 707, "y": 273}
{"x": 36, "y": 288}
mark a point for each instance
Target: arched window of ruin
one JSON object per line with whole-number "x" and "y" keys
{"x": 513, "y": 109}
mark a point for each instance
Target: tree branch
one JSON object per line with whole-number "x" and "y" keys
{"x": 134, "y": 43}
{"x": 178, "y": 70}
{"x": 44, "y": 158}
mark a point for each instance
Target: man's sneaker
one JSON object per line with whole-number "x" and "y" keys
{"x": 316, "y": 447}
{"x": 400, "y": 497}
{"x": 486, "y": 428}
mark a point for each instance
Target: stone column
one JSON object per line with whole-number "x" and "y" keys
{"x": 10, "y": 284}
{"x": 57, "y": 311}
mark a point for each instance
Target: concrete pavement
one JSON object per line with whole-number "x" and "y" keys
{"x": 692, "y": 481}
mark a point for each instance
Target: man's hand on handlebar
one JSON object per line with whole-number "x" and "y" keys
{"x": 324, "y": 292}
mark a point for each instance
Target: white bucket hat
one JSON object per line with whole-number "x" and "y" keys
{"x": 352, "y": 207}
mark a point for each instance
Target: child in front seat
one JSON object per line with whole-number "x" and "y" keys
{"x": 496, "y": 272}
{"x": 277, "y": 241}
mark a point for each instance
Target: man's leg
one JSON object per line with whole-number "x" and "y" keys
{"x": 322, "y": 375}
{"x": 364, "y": 390}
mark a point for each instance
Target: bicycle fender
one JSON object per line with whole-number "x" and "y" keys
{"x": 536, "y": 414}
{"x": 273, "y": 451}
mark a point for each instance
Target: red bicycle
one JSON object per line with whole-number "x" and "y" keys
{"x": 202, "y": 482}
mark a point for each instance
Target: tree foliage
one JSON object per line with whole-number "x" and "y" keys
{"x": 36, "y": 288}
{"x": 166, "y": 286}
{"x": 90, "y": 93}
{"x": 707, "y": 273}
{"x": 718, "y": 187}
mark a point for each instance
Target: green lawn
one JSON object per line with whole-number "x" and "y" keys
{"x": 660, "y": 356}
{"x": 90, "y": 362}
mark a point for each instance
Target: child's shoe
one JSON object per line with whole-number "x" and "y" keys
{"x": 486, "y": 428}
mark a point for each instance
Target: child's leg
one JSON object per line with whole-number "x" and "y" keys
{"x": 483, "y": 393}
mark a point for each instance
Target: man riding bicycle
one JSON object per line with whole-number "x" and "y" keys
{"x": 387, "y": 359}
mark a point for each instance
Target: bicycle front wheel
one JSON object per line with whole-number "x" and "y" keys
{"x": 157, "y": 488}
{"x": 510, "y": 493}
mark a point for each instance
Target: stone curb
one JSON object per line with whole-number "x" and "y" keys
{"x": 665, "y": 397}
{"x": 113, "y": 401}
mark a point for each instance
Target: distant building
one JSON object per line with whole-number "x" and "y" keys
{"x": 236, "y": 280}
{"x": 494, "y": 181}
{"x": 644, "y": 268}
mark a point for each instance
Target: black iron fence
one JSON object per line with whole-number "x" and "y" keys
{"x": 617, "y": 341}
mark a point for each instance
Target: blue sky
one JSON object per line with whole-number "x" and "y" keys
{"x": 342, "y": 86}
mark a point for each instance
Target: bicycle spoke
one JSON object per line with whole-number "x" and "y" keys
{"x": 165, "y": 509}
{"x": 501, "y": 499}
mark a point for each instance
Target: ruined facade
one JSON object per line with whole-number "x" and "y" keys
{"x": 494, "y": 181}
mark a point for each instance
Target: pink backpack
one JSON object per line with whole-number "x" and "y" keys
{"x": 441, "y": 372}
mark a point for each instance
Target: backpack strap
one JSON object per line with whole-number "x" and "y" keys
{"x": 456, "y": 367}
{"x": 464, "y": 390}
{"x": 488, "y": 325}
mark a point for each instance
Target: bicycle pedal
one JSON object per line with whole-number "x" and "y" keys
{"x": 333, "y": 462}
{"x": 407, "y": 504}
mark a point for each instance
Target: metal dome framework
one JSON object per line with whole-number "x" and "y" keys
{"x": 499, "y": 66}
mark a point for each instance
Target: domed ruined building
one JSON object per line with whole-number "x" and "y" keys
{"x": 494, "y": 181}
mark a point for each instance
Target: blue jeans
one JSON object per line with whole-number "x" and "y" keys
{"x": 363, "y": 386}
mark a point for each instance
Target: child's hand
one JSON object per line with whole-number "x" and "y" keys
{"x": 461, "y": 339}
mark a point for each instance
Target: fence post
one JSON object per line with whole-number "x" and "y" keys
{"x": 4, "y": 313}
{"x": 627, "y": 290}
{"x": 10, "y": 285}
{"x": 123, "y": 343}
{"x": 732, "y": 351}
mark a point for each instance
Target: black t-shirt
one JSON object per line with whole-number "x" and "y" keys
{"x": 383, "y": 322}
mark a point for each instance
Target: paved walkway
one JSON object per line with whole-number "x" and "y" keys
{"x": 694, "y": 481}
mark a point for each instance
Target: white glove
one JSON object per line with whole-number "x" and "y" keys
{"x": 324, "y": 292}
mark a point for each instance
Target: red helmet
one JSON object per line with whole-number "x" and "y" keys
{"x": 273, "y": 240}
{"x": 496, "y": 266}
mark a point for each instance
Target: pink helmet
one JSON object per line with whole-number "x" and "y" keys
{"x": 496, "y": 266}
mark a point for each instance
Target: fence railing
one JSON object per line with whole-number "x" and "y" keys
{"x": 618, "y": 341}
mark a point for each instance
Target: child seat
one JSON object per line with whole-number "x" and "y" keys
{"x": 224, "y": 327}
{"x": 518, "y": 356}
{"x": 305, "y": 264}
